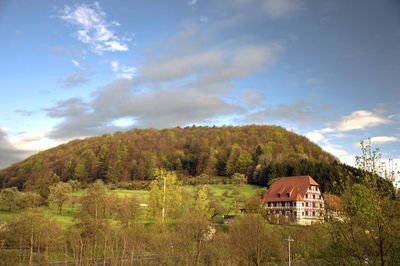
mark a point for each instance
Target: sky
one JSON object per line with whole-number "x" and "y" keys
{"x": 328, "y": 70}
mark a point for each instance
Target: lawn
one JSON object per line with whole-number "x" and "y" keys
{"x": 69, "y": 210}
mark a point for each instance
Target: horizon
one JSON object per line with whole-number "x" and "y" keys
{"x": 326, "y": 71}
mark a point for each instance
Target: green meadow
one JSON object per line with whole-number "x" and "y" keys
{"x": 71, "y": 208}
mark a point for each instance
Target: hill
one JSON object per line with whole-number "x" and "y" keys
{"x": 259, "y": 152}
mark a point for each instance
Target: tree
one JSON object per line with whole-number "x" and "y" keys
{"x": 253, "y": 242}
{"x": 9, "y": 197}
{"x": 98, "y": 207}
{"x": 239, "y": 179}
{"x": 128, "y": 210}
{"x": 59, "y": 194}
{"x": 238, "y": 198}
{"x": 371, "y": 224}
{"x": 33, "y": 229}
{"x": 29, "y": 200}
{"x": 165, "y": 195}
{"x": 75, "y": 184}
{"x": 202, "y": 214}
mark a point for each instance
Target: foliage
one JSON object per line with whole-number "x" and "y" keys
{"x": 165, "y": 196}
{"x": 253, "y": 241}
{"x": 258, "y": 152}
{"x": 9, "y": 197}
{"x": 59, "y": 194}
{"x": 369, "y": 229}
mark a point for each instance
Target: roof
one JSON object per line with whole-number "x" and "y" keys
{"x": 333, "y": 202}
{"x": 249, "y": 201}
{"x": 291, "y": 188}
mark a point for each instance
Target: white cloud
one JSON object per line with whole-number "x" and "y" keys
{"x": 123, "y": 122}
{"x": 336, "y": 150}
{"x": 376, "y": 141}
{"x": 359, "y": 120}
{"x": 383, "y": 139}
{"x": 76, "y": 63}
{"x": 123, "y": 72}
{"x": 348, "y": 159}
{"x": 127, "y": 72}
{"x": 114, "y": 66}
{"x": 192, "y": 2}
{"x": 94, "y": 30}
{"x": 33, "y": 141}
{"x": 315, "y": 136}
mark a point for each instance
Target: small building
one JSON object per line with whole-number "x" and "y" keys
{"x": 297, "y": 198}
{"x": 334, "y": 206}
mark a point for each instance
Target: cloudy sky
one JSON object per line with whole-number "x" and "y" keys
{"x": 329, "y": 70}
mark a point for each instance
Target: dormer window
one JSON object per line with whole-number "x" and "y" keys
{"x": 279, "y": 195}
{"x": 288, "y": 195}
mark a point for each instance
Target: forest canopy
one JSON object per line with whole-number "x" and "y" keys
{"x": 261, "y": 153}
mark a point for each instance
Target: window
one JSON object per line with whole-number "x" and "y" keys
{"x": 274, "y": 204}
{"x": 306, "y": 213}
{"x": 294, "y": 203}
{"x": 279, "y": 195}
{"x": 302, "y": 213}
{"x": 303, "y": 204}
{"x": 306, "y": 204}
{"x": 313, "y": 213}
{"x": 295, "y": 213}
{"x": 313, "y": 196}
{"x": 313, "y": 205}
{"x": 306, "y": 195}
{"x": 283, "y": 204}
{"x": 288, "y": 194}
{"x": 269, "y": 204}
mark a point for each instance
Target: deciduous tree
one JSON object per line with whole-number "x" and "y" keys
{"x": 59, "y": 194}
{"x": 165, "y": 197}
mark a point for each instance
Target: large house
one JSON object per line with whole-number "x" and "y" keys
{"x": 298, "y": 198}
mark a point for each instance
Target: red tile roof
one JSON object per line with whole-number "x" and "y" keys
{"x": 291, "y": 188}
{"x": 333, "y": 202}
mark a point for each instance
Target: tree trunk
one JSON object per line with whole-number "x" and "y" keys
{"x": 198, "y": 251}
{"x": 105, "y": 247}
{"x": 31, "y": 242}
{"x": 66, "y": 254}
{"x": 95, "y": 236}
{"x": 46, "y": 254}
{"x": 123, "y": 252}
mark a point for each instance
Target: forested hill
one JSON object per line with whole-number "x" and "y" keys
{"x": 259, "y": 152}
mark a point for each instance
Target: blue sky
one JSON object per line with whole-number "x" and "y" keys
{"x": 328, "y": 70}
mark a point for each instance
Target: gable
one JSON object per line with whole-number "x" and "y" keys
{"x": 289, "y": 189}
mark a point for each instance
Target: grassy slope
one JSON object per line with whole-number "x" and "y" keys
{"x": 68, "y": 211}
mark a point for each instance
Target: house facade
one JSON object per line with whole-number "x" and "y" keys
{"x": 298, "y": 198}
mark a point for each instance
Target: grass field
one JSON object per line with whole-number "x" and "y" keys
{"x": 69, "y": 210}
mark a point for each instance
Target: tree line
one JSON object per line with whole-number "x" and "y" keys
{"x": 128, "y": 159}
{"x": 179, "y": 231}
